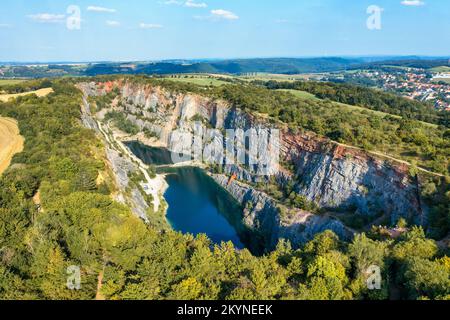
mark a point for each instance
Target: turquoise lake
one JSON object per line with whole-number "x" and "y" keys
{"x": 197, "y": 204}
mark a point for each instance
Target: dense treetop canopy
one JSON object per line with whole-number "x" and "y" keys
{"x": 78, "y": 224}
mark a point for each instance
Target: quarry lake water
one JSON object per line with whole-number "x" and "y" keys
{"x": 197, "y": 204}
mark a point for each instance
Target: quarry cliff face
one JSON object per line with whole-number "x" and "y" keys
{"x": 339, "y": 179}
{"x": 120, "y": 166}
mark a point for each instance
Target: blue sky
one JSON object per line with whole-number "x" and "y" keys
{"x": 36, "y": 30}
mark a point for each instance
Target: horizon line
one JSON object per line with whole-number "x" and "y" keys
{"x": 223, "y": 59}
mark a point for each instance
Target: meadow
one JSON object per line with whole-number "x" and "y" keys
{"x": 201, "y": 80}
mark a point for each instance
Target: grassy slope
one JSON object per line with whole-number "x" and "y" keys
{"x": 301, "y": 94}
{"x": 307, "y": 95}
{"x": 277, "y": 77}
{"x": 199, "y": 80}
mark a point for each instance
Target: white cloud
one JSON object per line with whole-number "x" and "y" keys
{"x": 112, "y": 23}
{"x": 100, "y": 9}
{"x": 193, "y": 4}
{"x": 47, "y": 17}
{"x": 150, "y": 26}
{"x": 224, "y": 14}
{"x": 188, "y": 3}
{"x": 5, "y": 25}
{"x": 415, "y": 3}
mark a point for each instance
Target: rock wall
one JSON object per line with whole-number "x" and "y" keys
{"x": 121, "y": 166}
{"x": 261, "y": 214}
{"x": 336, "y": 177}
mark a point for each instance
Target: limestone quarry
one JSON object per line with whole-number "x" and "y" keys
{"x": 340, "y": 180}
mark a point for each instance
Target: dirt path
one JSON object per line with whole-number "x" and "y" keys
{"x": 11, "y": 142}
{"x": 99, "y": 295}
{"x": 154, "y": 186}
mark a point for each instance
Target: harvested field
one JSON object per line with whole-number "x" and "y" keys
{"x": 11, "y": 142}
{"x": 39, "y": 93}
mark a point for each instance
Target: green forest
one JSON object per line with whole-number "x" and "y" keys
{"x": 76, "y": 223}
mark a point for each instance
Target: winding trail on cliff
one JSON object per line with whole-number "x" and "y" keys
{"x": 152, "y": 186}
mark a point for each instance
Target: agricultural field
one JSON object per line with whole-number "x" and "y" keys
{"x": 7, "y": 82}
{"x": 441, "y": 69}
{"x": 281, "y": 77}
{"x": 40, "y": 93}
{"x": 217, "y": 79}
{"x": 11, "y": 142}
{"x": 201, "y": 80}
{"x": 300, "y": 94}
{"x": 446, "y": 80}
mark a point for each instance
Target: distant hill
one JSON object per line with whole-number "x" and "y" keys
{"x": 238, "y": 66}
{"x": 232, "y": 66}
{"x": 409, "y": 63}
{"x": 286, "y": 66}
